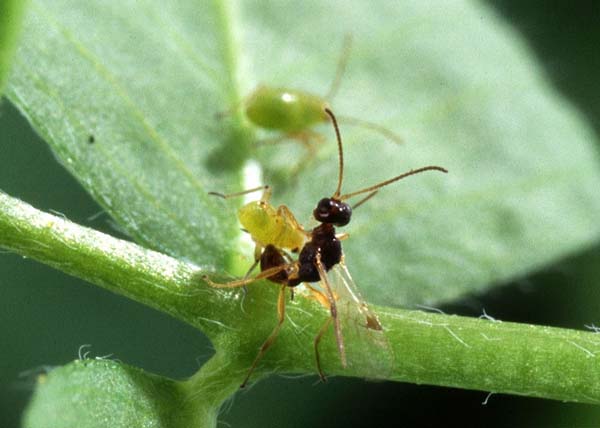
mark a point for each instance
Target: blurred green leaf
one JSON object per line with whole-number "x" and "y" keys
{"x": 11, "y": 12}
{"x": 101, "y": 393}
{"x": 144, "y": 80}
{"x": 465, "y": 93}
{"x": 88, "y": 393}
{"x": 125, "y": 94}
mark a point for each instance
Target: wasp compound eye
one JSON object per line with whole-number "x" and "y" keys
{"x": 332, "y": 211}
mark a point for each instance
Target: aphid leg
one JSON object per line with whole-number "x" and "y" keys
{"x": 274, "y": 140}
{"x": 289, "y": 217}
{"x": 267, "y": 343}
{"x": 333, "y": 310}
{"x": 310, "y": 140}
{"x": 316, "y": 345}
{"x": 241, "y": 282}
{"x": 249, "y": 272}
{"x": 258, "y": 249}
{"x": 257, "y": 252}
{"x": 267, "y": 193}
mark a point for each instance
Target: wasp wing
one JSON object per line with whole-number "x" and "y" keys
{"x": 364, "y": 336}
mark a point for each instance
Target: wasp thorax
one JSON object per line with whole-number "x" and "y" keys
{"x": 333, "y": 211}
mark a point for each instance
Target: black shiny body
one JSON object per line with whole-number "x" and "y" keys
{"x": 323, "y": 242}
{"x": 333, "y": 211}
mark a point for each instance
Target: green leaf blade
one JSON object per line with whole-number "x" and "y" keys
{"x": 520, "y": 192}
{"x": 149, "y": 165}
{"x": 101, "y": 393}
{"x": 11, "y": 13}
{"x": 464, "y": 92}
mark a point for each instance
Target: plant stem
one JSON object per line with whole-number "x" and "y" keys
{"x": 217, "y": 380}
{"x": 495, "y": 356}
{"x": 120, "y": 266}
{"x": 417, "y": 347}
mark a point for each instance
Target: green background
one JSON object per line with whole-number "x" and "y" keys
{"x": 45, "y": 315}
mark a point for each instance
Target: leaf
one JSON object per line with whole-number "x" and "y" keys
{"x": 100, "y": 83}
{"x": 145, "y": 79}
{"x": 88, "y": 393}
{"x": 11, "y": 12}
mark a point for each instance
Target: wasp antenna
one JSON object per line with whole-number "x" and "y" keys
{"x": 392, "y": 180}
{"x": 340, "y": 152}
{"x": 365, "y": 199}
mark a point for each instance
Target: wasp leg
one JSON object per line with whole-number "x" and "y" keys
{"x": 318, "y": 296}
{"x": 316, "y": 345}
{"x": 333, "y": 310}
{"x": 241, "y": 282}
{"x": 342, "y": 236}
{"x": 267, "y": 343}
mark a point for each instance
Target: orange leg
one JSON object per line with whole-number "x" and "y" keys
{"x": 308, "y": 138}
{"x": 241, "y": 282}
{"x": 318, "y": 295}
{"x": 333, "y": 310}
{"x": 316, "y": 345}
{"x": 267, "y": 343}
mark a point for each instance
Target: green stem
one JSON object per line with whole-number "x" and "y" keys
{"x": 207, "y": 390}
{"x": 122, "y": 267}
{"x": 495, "y": 356}
{"x": 417, "y": 347}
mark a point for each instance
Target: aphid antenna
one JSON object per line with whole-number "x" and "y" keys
{"x": 265, "y": 188}
{"x": 335, "y": 86}
{"x": 341, "y": 67}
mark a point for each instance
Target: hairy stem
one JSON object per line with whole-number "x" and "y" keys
{"x": 416, "y": 347}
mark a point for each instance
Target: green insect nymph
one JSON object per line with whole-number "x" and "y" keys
{"x": 287, "y": 110}
{"x": 293, "y": 112}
